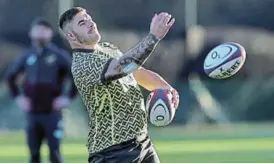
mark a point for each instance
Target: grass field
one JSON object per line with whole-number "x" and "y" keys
{"x": 208, "y": 145}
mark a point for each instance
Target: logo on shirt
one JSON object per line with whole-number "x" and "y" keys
{"x": 51, "y": 59}
{"x": 59, "y": 132}
{"x": 31, "y": 59}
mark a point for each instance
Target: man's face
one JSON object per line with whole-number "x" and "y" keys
{"x": 41, "y": 35}
{"x": 84, "y": 29}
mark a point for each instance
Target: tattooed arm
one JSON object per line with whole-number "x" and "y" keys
{"x": 131, "y": 60}
{"x": 137, "y": 56}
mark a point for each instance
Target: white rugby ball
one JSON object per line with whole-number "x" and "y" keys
{"x": 224, "y": 60}
{"x": 160, "y": 109}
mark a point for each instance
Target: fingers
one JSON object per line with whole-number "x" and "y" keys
{"x": 171, "y": 22}
{"x": 167, "y": 19}
{"x": 176, "y": 104}
{"x": 162, "y": 16}
{"x": 161, "y": 24}
{"x": 154, "y": 17}
{"x": 175, "y": 96}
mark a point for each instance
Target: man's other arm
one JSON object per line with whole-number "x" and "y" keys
{"x": 151, "y": 81}
{"x": 17, "y": 67}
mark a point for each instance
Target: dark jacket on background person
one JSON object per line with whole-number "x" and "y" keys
{"x": 45, "y": 72}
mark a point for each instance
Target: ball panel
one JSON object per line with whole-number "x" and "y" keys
{"x": 224, "y": 60}
{"x": 231, "y": 57}
{"x": 219, "y": 55}
{"x": 228, "y": 69}
{"x": 148, "y": 104}
{"x": 160, "y": 115}
{"x": 159, "y": 107}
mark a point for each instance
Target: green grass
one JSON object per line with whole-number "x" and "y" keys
{"x": 254, "y": 149}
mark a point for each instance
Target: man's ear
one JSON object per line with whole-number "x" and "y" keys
{"x": 70, "y": 36}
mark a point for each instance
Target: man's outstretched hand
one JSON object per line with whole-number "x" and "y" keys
{"x": 160, "y": 24}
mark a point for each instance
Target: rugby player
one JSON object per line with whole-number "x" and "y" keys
{"x": 108, "y": 82}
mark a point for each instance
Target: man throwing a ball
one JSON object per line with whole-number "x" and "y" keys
{"x": 108, "y": 82}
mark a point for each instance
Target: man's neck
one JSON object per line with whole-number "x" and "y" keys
{"x": 74, "y": 46}
{"x": 39, "y": 47}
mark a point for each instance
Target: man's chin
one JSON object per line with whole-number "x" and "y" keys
{"x": 97, "y": 39}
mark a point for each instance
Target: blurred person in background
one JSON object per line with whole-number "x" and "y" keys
{"x": 46, "y": 67}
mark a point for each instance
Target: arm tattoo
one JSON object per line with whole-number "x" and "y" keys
{"x": 132, "y": 60}
{"x": 137, "y": 56}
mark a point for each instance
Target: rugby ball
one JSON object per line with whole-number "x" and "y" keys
{"x": 224, "y": 60}
{"x": 160, "y": 108}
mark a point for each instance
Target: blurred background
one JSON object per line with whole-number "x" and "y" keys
{"x": 218, "y": 120}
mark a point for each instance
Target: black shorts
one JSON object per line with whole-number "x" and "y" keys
{"x": 132, "y": 151}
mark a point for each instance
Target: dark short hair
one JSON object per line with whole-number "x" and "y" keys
{"x": 68, "y": 15}
{"x": 41, "y": 22}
